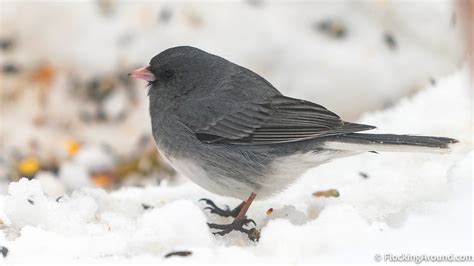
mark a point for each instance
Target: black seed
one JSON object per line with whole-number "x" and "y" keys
{"x": 146, "y": 206}
{"x": 364, "y": 175}
{"x": 31, "y": 202}
{"x": 10, "y": 68}
{"x": 389, "y": 39}
{"x": 124, "y": 78}
{"x": 53, "y": 168}
{"x": 331, "y": 27}
{"x": 97, "y": 89}
{"x": 59, "y": 198}
{"x": 184, "y": 253}
{"x": 324, "y": 25}
{"x": 165, "y": 15}
{"x": 101, "y": 115}
{"x": 4, "y": 251}
{"x": 432, "y": 81}
{"x": 6, "y": 44}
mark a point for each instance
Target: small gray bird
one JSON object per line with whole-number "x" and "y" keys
{"x": 231, "y": 132}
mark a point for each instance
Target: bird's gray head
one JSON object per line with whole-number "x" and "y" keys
{"x": 176, "y": 72}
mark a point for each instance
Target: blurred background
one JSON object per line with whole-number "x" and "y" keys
{"x": 71, "y": 117}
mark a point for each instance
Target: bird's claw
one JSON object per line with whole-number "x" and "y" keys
{"x": 247, "y": 221}
{"x": 237, "y": 225}
{"x": 227, "y": 212}
{"x": 209, "y": 202}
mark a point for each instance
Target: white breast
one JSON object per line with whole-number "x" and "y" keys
{"x": 217, "y": 184}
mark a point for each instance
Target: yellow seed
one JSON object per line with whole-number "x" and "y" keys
{"x": 45, "y": 74}
{"x": 103, "y": 180}
{"x": 72, "y": 147}
{"x": 327, "y": 193}
{"x": 28, "y": 166}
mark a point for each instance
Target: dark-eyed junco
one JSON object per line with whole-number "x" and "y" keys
{"x": 234, "y": 134}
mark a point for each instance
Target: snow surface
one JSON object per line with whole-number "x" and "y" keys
{"x": 412, "y": 203}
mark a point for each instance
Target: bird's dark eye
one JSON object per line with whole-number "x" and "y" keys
{"x": 169, "y": 73}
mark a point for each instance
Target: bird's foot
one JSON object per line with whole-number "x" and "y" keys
{"x": 237, "y": 225}
{"x": 227, "y": 212}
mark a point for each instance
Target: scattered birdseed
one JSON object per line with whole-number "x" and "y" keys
{"x": 389, "y": 39}
{"x": 10, "y": 68}
{"x": 2, "y": 225}
{"x": 31, "y": 202}
{"x": 28, "y": 167}
{"x": 50, "y": 165}
{"x": 331, "y": 27}
{"x": 7, "y": 44}
{"x": 184, "y": 253}
{"x": 101, "y": 115}
{"x": 97, "y": 89}
{"x": 327, "y": 193}
{"x": 193, "y": 20}
{"x": 364, "y": 175}
{"x": 269, "y": 211}
{"x": 44, "y": 74}
{"x": 146, "y": 206}
{"x": 254, "y": 234}
{"x": 72, "y": 147}
{"x": 165, "y": 15}
{"x": 124, "y": 78}
{"x": 103, "y": 180}
{"x": 106, "y": 7}
{"x": 4, "y": 251}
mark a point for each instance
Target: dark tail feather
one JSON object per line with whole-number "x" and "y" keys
{"x": 390, "y": 142}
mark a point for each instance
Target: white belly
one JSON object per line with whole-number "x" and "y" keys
{"x": 286, "y": 170}
{"x": 220, "y": 185}
{"x": 282, "y": 173}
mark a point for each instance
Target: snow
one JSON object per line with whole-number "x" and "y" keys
{"x": 50, "y": 184}
{"x": 409, "y": 203}
{"x": 73, "y": 176}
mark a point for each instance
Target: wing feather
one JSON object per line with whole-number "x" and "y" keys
{"x": 282, "y": 119}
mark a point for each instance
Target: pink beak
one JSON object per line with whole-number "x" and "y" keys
{"x": 142, "y": 73}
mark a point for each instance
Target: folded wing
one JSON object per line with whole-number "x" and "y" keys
{"x": 280, "y": 119}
